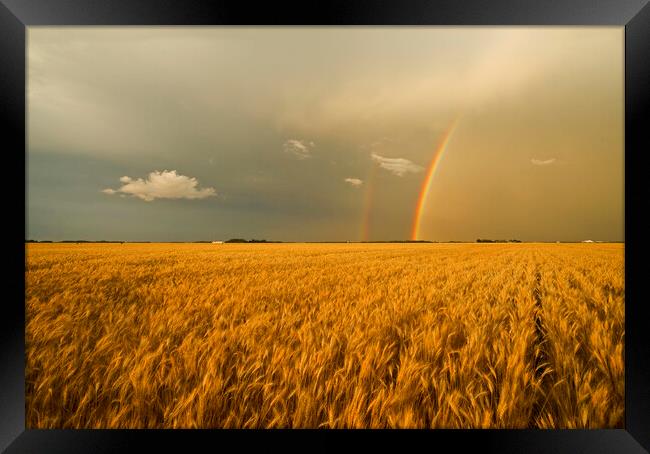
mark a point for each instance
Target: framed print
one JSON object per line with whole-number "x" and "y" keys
{"x": 362, "y": 215}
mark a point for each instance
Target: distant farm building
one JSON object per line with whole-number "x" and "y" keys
{"x": 587, "y": 241}
{"x": 217, "y": 242}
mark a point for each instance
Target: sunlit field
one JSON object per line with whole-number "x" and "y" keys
{"x": 325, "y": 336}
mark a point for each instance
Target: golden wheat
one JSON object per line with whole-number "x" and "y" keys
{"x": 330, "y": 336}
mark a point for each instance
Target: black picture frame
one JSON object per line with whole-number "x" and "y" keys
{"x": 16, "y": 15}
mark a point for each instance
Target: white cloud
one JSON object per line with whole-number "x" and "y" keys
{"x": 299, "y": 148}
{"x": 162, "y": 185}
{"x": 399, "y": 166}
{"x": 538, "y": 162}
{"x": 354, "y": 181}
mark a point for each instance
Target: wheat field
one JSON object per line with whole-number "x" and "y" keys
{"x": 325, "y": 335}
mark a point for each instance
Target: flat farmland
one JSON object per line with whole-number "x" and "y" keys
{"x": 325, "y": 335}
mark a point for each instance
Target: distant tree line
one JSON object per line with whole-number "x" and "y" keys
{"x": 78, "y": 241}
{"x": 482, "y": 240}
{"x": 232, "y": 240}
{"x": 400, "y": 241}
{"x": 241, "y": 240}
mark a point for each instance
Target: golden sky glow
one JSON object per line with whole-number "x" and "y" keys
{"x": 325, "y": 133}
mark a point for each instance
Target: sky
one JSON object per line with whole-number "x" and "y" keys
{"x": 325, "y": 133}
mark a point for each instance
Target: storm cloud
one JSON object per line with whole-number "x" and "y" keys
{"x": 281, "y": 123}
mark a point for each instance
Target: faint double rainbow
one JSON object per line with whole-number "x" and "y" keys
{"x": 367, "y": 204}
{"x": 424, "y": 190}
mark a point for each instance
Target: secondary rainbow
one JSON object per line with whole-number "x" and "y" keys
{"x": 431, "y": 170}
{"x": 367, "y": 206}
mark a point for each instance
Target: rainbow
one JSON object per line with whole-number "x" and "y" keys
{"x": 365, "y": 222}
{"x": 426, "y": 184}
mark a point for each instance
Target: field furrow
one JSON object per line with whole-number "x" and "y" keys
{"x": 327, "y": 335}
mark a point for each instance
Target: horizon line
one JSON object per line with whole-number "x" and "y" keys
{"x": 255, "y": 241}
